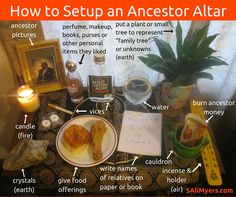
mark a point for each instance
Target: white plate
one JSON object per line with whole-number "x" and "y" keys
{"x": 84, "y": 159}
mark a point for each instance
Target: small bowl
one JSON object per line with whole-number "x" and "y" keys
{"x": 186, "y": 152}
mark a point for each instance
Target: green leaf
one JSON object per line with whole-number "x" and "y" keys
{"x": 156, "y": 63}
{"x": 169, "y": 74}
{"x": 179, "y": 46}
{"x": 214, "y": 61}
{"x": 206, "y": 42}
{"x": 200, "y": 34}
{"x": 203, "y": 53}
{"x": 168, "y": 62}
{"x": 217, "y": 61}
{"x": 151, "y": 59}
{"x": 171, "y": 24}
{"x": 206, "y": 64}
{"x": 192, "y": 41}
{"x": 147, "y": 61}
{"x": 162, "y": 69}
{"x": 200, "y": 75}
{"x": 165, "y": 49}
{"x": 155, "y": 58}
{"x": 184, "y": 63}
{"x": 188, "y": 47}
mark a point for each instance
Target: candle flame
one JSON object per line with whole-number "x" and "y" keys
{"x": 25, "y": 92}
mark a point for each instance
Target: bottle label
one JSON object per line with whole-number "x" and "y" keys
{"x": 100, "y": 86}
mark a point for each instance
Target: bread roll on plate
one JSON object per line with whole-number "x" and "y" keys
{"x": 76, "y": 139}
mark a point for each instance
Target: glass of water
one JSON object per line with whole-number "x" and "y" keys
{"x": 137, "y": 89}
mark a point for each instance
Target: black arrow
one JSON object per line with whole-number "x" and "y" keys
{"x": 171, "y": 31}
{"x": 81, "y": 59}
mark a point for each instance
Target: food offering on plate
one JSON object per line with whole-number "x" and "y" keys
{"x": 76, "y": 139}
{"x": 86, "y": 141}
{"x": 98, "y": 130}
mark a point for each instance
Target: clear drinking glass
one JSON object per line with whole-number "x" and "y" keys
{"x": 137, "y": 89}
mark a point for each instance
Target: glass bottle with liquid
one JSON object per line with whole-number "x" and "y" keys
{"x": 101, "y": 81}
{"x": 74, "y": 82}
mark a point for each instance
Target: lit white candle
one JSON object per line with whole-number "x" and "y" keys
{"x": 28, "y": 100}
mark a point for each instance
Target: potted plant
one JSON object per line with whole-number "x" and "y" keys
{"x": 181, "y": 71}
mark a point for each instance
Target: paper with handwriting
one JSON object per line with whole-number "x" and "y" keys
{"x": 141, "y": 133}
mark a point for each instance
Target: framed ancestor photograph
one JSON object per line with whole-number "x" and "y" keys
{"x": 42, "y": 65}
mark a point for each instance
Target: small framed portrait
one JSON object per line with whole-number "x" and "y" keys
{"x": 42, "y": 65}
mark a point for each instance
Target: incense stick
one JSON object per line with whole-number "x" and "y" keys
{"x": 60, "y": 108}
